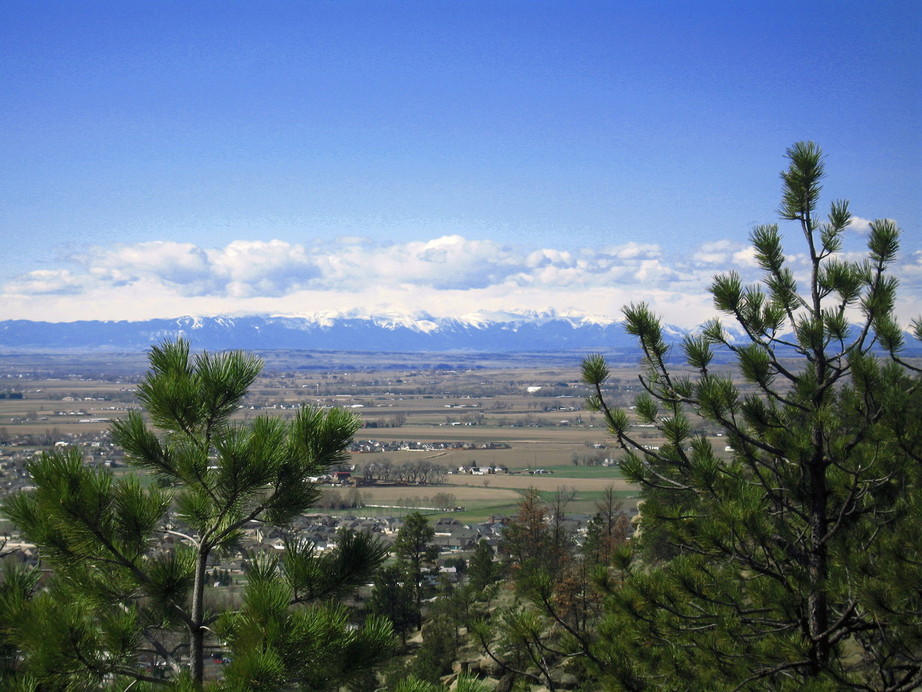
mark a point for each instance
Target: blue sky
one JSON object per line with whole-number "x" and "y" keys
{"x": 168, "y": 158}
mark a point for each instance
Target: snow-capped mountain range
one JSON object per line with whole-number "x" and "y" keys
{"x": 479, "y": 333}
{"x": 487, "y": 333}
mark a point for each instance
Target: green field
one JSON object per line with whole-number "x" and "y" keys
{"x": 73, "y": 398}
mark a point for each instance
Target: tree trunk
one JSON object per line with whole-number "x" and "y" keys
{"x": 196, "y": 628}
{"x": 817, "y": 601}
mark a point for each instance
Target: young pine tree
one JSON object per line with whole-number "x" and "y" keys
{"x": 394, "y": 598}
{"x": 795, "y": 561}
{"x": 483, "y": 570}
{"x": 416, "y": 554}
{"x": 119, "y": 594}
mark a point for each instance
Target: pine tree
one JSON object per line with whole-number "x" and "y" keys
{"x": 448, "y": 613}
{"x": 464, "y": 683}
{"x": 394, "y": 598}
{"x": 483, "y": 571}
{"x": 416, "y": 554}
{"x": 119, "y": 592}
{"x": 795, "y": 562}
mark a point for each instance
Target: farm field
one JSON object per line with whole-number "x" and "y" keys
{"x": 523, "y": 413}
{"x": 544, "y": 483}
{"x": 495, "y": 495}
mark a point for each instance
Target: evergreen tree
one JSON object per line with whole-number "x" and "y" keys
{"x": 416, "y": 555}
{"x": 17, "y": 589}
{"x": 393, "y": 598}
{"x": 119, "y": 592}
{"x": 483, "y": 570}
{"x": 439, "y": 649}
{"x": 796, "y": 562}
{"x": 464, "y": 683}
{"x": 314, "y": 644}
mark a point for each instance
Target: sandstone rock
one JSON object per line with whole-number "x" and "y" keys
{"x": 505, "y": 683}
{"x": 489, "y": 667}
{"x": 566, "y": 681}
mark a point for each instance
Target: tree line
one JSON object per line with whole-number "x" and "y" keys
{"x": 419, "y": 471}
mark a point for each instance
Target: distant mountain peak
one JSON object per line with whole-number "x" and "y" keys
{"x": 480, "y": 332}
{"x": 420, "y": 331}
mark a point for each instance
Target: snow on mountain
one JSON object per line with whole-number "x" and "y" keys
{"x": 419, "y": 332}
{"x": 502, "y": 332}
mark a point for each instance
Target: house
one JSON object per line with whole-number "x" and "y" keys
{"x": 451, "y": 534}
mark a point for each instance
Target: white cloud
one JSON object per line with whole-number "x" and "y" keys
{"x": 449, "y": 262}
{"x": 354, "y": 240}
{"x": 182, "y": 265}
{"x": 258, "y": 268}
{"x": 632, "y": 250}
{"x": 548, "y": 257}
{"x": 47, "y": 282}
{"x": 859, "y": 225}
{"x": 446, "y": 276}
{"x": 910, "y": 270}
{"x": 746, "y": 257}
{"x": 715, "y": 253}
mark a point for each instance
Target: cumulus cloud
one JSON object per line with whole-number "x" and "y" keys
{"x": 910, "y": 270}
{"x": 446, "y": 276}
{"x": 182, "y": 265}
{"x": 252, "y": 269}
{"x": 257, "y": 268}
{"x": 859, "y": 225}
{"x": 449, "y": 262}
{"x": 632, "y": 251}
{"x": 547, "y": 257}
{"x": 746, "y": 257}
{"x": 715, "y": 253}
{"x": 47, "y": 282}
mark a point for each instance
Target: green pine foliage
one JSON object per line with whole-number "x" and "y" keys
{"x": 796, "y": 562}
{"x": 464, "y": 683}
{"x": 120, "y": 594}
{"x": 438, "y": 650}
{"x": 415, "y": 554}
{"x": 394, "y": 598}
{"x": 483, "y": 570}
